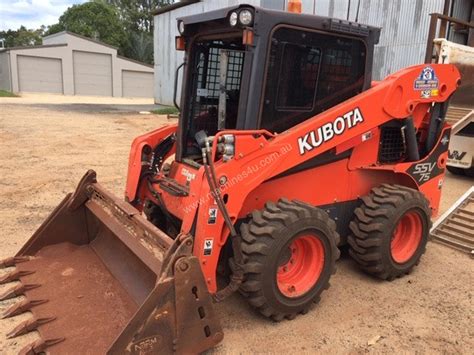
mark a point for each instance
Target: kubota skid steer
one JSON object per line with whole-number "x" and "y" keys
{"x": 285, "y": 149}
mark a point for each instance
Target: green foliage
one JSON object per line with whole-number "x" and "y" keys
{"x": 125, "y": 24}
{"x": 4, "y": 93}
{"x": 140, "y": 46}
{"x": 137, "y": 15}
{"x": 137, "y": 19}
{"x": 22, "y": 37}
{"x": 166, "y": 111}
{"x": 96, "y": 20}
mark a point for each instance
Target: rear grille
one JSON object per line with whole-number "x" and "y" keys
{"x": 392, "y": 145}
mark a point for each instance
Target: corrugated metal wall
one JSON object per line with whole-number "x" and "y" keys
{"x": 461, "y": 9}
{"x": 402, "y": 43}
{"x": 404, "y": 26}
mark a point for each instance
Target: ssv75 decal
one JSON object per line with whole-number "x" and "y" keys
{"x": 329, "y": 130}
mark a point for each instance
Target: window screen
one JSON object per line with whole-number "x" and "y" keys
{"x": 308, "y": 73}
{"x": 206, "y": 78}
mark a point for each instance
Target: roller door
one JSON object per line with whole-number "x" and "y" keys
{"x": 92, "y": 74}
{"x": 137, "y": 84}
{"x": 38, "y": 74}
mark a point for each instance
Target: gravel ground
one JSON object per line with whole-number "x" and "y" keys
{"x": 48, "y": 142}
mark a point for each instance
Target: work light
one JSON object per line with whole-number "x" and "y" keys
{"x": 233, "y": 19}
{"x": 181, "y": 27}
{"x": 246, "y": 17}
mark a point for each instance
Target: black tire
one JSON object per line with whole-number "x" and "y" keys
{"x": 266, "y": 237}
{"x": 469, "y": 172}
{"x": 455, "y": 170}
{"x": 373, "y": 227}
{"x": 155, "y": 215}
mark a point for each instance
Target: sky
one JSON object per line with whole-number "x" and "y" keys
{"x": 32, "y": 13}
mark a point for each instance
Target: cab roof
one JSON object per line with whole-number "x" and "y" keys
{"x": 265, "y": 18}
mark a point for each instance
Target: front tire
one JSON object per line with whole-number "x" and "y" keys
{"x": 290, "y": 251}
{"x": 390, "y": 231}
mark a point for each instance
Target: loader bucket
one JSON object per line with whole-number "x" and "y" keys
{"x": 99, "y": 278}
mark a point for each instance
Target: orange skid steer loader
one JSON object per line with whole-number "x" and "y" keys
{"x": 285, "y": 150}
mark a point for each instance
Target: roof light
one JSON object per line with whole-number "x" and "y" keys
{"x": 233, "y": 19}
{"x": 181, "y": 27}
{"x": 246, "y": 17}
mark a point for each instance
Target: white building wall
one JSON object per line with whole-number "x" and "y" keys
{"x": 5, "y": 73}
{"x": 76, "y": 43}
{"x": 57, "y": 52}
{"x": 61, "y": 46}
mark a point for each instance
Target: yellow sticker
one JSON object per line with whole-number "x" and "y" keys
{"x": 434, "y": 92}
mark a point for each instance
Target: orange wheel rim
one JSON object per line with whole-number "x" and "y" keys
{"x": 406, "y": 237}
{"x": 301, "y": 267}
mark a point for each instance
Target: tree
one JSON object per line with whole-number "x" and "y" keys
{"x": 137, "y": 15}
{"x": 137, "y": 19}
{"x": 96, "y": 20}
{"x": 140, "y": 46}
{"x": 22, "y": 37}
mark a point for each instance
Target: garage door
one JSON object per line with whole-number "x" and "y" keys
{"x": 92, "y": 74}
{"x": 37, "y": 74}
{"x": 137, "y": 84}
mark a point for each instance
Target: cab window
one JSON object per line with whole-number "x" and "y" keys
{"x": 309, "y": 72}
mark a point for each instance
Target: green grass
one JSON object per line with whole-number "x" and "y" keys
{"x": 166, "y": 111}
{"x": 4, "y": 93}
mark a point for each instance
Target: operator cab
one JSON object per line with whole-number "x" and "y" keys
{"x": 250, "y": 68}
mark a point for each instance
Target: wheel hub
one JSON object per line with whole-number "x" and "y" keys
{"x": 300, "y": 266}
{"x": 406, "y": 237}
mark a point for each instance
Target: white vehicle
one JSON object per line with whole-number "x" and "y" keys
{"x": 461, "y": 110}
{"x": 461, "y": 147}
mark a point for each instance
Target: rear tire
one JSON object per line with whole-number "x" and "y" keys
{"x": 390, "y": 231}
{"x": 290, "y": 251}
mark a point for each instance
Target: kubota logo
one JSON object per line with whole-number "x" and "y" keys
{"x": 329, "y": 130}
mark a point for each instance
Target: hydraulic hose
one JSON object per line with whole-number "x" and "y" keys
{"x": 237, "y": 276}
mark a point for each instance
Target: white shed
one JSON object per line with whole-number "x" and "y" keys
{"x": 71, "y": 64}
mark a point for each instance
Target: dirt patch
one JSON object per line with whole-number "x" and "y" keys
{"x": 45, "y": 151}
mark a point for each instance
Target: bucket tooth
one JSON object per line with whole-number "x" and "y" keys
{"x": 28, "y": 326}
{"x": 12, "y": 261}
{"x": 39, "y": 346}
{"x": 21, "y": 307}
{"x": 17, "y": 291}
{"x": 14, "y": 276}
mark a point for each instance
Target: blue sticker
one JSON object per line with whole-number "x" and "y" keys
{"x": 427, "y": 80}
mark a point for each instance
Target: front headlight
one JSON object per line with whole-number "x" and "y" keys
{"x": 246, "y": 17}
{"x": 233, "y": 19}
